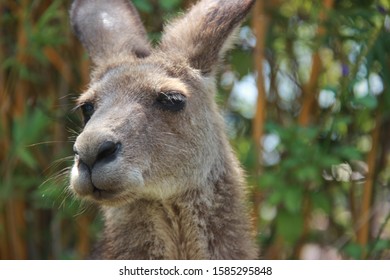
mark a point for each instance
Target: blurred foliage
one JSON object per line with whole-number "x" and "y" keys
{"x": 323, "y": 175}
{"x": 320, "y": 181}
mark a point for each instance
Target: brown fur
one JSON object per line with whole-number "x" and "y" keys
{"x": 172, "y": 189}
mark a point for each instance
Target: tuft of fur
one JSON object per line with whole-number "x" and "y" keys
{"x": 171, "y": 187}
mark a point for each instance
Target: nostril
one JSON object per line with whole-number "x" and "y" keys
{"x": 107, "y": 151}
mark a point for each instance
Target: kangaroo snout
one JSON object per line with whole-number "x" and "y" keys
{"x": 97, "y": 171}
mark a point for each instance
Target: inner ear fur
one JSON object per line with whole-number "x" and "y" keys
{"x": 109, "y": 28}
{"x": 203, "y": 35}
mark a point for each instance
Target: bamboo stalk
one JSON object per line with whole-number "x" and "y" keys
{"x": 21, "y": 57}
{"x": 16, "y": 226}
{"x": 84, "y": 241}
{"x": 260, "y": 23}
{"x": 309, "y": 91}
{"x": 4, "y": 246}
{"x": 4, "y": 107}
{"x": 59, "y": 63}
{"x": 365, "y": 214}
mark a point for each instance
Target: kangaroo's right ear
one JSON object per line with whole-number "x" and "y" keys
{"x": 203, "y": 35}
{"x": 108, "y": 28}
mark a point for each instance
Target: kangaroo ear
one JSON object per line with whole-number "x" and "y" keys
{"x": 203, "y": 34}
{"x": 108, "y": 28}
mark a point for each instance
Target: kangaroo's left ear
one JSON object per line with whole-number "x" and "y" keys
{"x": 202, "y": 35}
{"x": 108, "y": 28}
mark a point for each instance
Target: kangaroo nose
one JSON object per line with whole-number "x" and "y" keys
{"x": 106, "y": 152}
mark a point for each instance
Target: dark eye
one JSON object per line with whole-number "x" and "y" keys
{"x": 172, "y": 101}
{"x": 87, "y": 109}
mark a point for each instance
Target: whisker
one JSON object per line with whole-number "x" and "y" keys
{"x": 46, "y": 143}
{"x": 57, "y": 162}
{"x": 55, "y": 178}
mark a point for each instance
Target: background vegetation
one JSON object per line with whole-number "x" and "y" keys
{"x": 306, "y": 98}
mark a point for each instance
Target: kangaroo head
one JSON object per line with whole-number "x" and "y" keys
{"x": 151, "y": 124}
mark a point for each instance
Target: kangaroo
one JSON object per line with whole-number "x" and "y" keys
{"x": 153, "y": 153}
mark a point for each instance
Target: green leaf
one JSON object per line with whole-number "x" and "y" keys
{"x": 321, "y": 201}
{"x": 268, "y": 180}
{"x": 308, "y": 173}
{"x": 348, "y": 152}
{"x": 380, "y": 245}
{"x": 143, "y": 6}
{"x": 242, "y": 62}
{"x": 289, "y": 226}
{"x": 275, "y": 197}
{"x": 169, "y": 5}
{"x": 293, "y": 199}
{"x": 353, "y": 250}
{"x": 369, "y": 101}
{"x": 50, "y": 13}
{"x": 26, "y": 157}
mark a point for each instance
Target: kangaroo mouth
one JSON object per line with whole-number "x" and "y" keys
{"x": 83, "y": 184}
{"x": 91, "y": 191}
{"x": 105, "y": 186}
{"x": 100, "y": 194}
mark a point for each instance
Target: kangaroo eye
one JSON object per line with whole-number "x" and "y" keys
{"x": 87, "y": 109}
{"x": 171, "y": 101}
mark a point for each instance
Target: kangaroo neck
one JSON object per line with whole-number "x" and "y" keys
{"x": 172, "y": 229}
